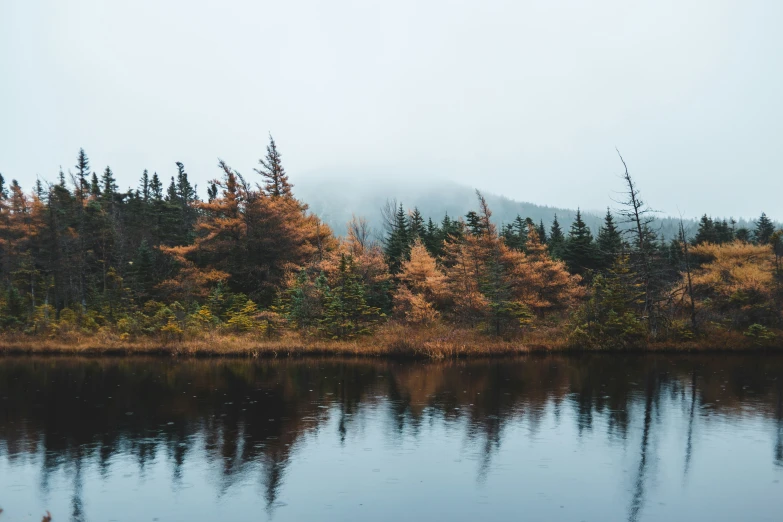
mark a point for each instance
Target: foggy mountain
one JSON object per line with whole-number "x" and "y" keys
{"x": 336, "y": 197}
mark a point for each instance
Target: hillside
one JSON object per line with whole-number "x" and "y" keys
{"x": 336, "y": 198}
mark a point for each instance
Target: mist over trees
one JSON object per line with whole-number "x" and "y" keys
{"x": 81, "y": 257}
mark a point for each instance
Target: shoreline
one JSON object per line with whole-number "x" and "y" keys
{"x": 229, "y": 346}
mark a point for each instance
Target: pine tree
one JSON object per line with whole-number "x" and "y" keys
{"x": 579, "y": 252}
{"x": 156, "y": 188}
{"x": 346, "y": 313}
{"x": 172, "y": 196}
{"x": 724, "y": 232}
{"x": 145, "y": 191}
{"x": 764, "y": 230}
{"x": 95, "y": 186}
{"x": 83, "y": 169}
{"x": 706, "y": 232}
{"x": 109, "y": 184}
{"x": 515, "y": 234}
{"x": 212, "y": 192}
{"x": 186, "y": 193}
{"x": 397, "y": 243}
{"x": 541, "y": 231}
{"x": 3, "y": 189}
{"x": 609, "y": 242}
{"x": 474, "y": 223}
{"x": 609, "y": 319}
{"x": 743, "y": 234}
{"x": 433, "y": 239}
{"x": 556, "y": 240}
{"x": 276, "y": 180}
{"x": 416, "y": 225}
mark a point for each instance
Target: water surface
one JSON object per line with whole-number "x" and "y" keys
{"x": 593, "y": 438}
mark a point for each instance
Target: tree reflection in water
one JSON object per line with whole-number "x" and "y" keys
{"x": 247, "y": 417}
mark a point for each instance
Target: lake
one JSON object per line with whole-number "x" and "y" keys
{"x": 571, "y": 438}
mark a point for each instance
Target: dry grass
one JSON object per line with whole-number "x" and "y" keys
{"x": 392, "y": 340}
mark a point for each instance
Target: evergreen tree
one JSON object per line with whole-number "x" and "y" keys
{"x": 109, "y": 184}
{"x": 578, "y": 251}
{"x": 515, "y": 234}
{"x": 541, "y": 232}
{"x": 416, "y": 225}
{"x": 172, "y": 195}
{"x": 212, "y": 192}
{"x": 397, "y": 242}
{"x": 706, "y": 232}
{"x": 609, "y": 242}
{"x": 145, "y": 191}
{"x": 186, "y": 193}
{"x": 95, "y": 186}
{"x": 276, "y": 180}
{"x": 556, "y": 240}
{"x": 346, "y": 313}
{"x": 3, "y": 189}
{"x": 156, "y": 188}
{"x": 450, "y": 228}
{"x": 474, "y": 223}
{"x": 433, "y": 239}
{"x": 724, "y": 232}
{"x": 764, "y": 230}
{"x": 743, "y": 234}
{"x": 82, "y": 169}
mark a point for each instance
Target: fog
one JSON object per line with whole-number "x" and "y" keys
{"x": 527, "y": 99}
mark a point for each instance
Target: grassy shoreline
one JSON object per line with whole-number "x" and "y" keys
{"x": 401, "y": 342}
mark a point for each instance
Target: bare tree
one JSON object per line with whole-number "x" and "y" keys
{"x": 684, "y": 243}
{"x": 359, "y": 233}
{"x": 388, "y": 219}
{"x": 639, "y": 216}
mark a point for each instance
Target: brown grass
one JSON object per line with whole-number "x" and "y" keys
{"x": 392, "y": 340}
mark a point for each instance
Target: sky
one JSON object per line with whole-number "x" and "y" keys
{"x": 528, "y": 99}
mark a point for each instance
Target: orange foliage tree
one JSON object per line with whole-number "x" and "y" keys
{"x": 736, "y": 283}
{"x": 422, "y": 289}
{"x": 248, "y": 239}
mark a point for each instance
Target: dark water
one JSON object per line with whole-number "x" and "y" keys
{"x": 596, "y": 438}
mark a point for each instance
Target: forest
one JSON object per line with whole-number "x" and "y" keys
{"x": 86, "y": 266}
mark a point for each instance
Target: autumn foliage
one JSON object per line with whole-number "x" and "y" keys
{"x": 82, "y": 259}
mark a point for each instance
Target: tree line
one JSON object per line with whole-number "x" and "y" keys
{"x": 80, "y": 256}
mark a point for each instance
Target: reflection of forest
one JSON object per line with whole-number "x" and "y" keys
{"x": 250, "y": 414}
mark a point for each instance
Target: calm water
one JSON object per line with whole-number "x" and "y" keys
{"x": 596, "y": 438}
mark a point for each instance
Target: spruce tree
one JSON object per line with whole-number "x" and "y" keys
{"x": 433, "y": 240}
{"x": 397, "y": 243}
{"x": 95, "y": 186}
{"x": 706, "y": 232}
{"x": 475, "y": 226}
{"x": 743, "y": 234}
{"x": 556, "y": 240}
{"x": 156, "y": 188}
{"x": 764, "y": 230}
{"x": 609, "y": 242}
{"x": 3, "y": 189}
{"x": 724, "y": 232}
{"x": 345, "y": 310}
{"x": 172, "y": 196}
{"x": 109, "y": 184}
{"x": 212, "y": 192}
{"x": 82, "y": 169}
{"x": 541, "y": 232}
{"x": 579, "y": 252}
{"x": 145, "y": 186}
{"x": 276, "y": 180}
{"x": 416, "y": 225}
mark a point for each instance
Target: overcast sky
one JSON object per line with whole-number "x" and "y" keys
{"x": 523, "y": 98}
